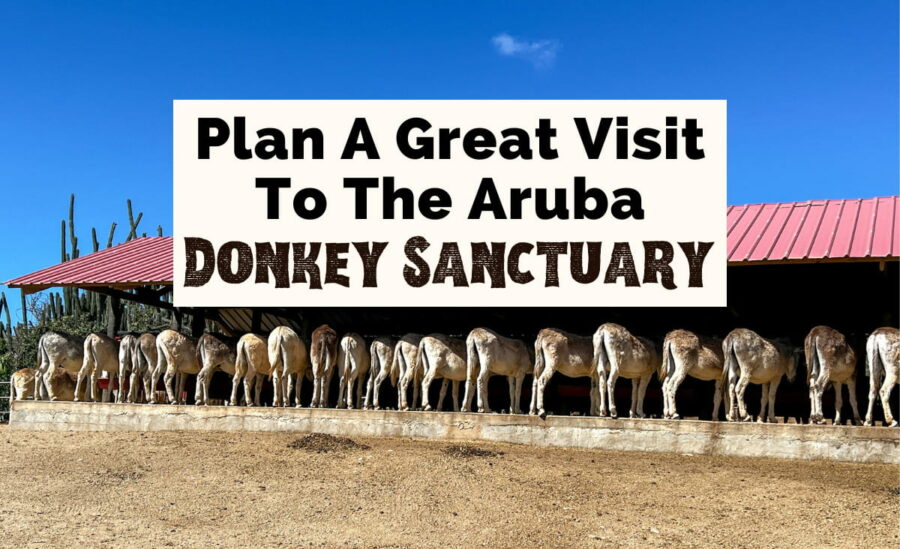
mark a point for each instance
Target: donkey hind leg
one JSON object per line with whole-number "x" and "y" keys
{"x": 838, "y": 402}
{"x": 763, "y": 401}
{"x": 890, "y": 379}
{"x": 851, "y": 389}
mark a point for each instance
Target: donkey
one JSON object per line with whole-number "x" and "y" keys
{"x": 750, "y": 358}
{"x": 883, "y": 362}
{"x": 687, "y": 354}
{"x": 829, "y": 359}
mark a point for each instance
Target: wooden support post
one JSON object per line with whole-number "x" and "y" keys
{"x": 198, "y": 322}
{"x": 113, "y": 315}
{"x": 256, "y": 321}
{"x": 177, "y": 317}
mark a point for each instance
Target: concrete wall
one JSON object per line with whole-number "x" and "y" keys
{"x": 838, "y": 443}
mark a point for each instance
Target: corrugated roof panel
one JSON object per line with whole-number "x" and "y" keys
{"x": 141, "y": 261}
{"x": 883, "y": 231}
{"x": 771, "y": 235}
{"x": 846, "y": 226}
{"x": 788, "y": 233}
{"x": 807, "y": 231}
{"x": 895, "y": 247}
{"x": 739, "y": 230}
{"x": 823, "y": 229}
{"x": 827, "y": 227}
{"x": 734, "y": 215}
{"x": 815, "y": 230}
{"x": 753, "y": 233}
{"x": 861, "y": 244}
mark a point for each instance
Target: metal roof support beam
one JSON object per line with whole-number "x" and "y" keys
{"x": 137, "y": 297}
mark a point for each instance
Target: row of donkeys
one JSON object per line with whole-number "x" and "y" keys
{"x": 743, "y": 357}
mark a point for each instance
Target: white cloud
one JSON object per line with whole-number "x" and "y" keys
{"x": 540, "y": 53}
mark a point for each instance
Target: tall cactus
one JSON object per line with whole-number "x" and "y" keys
{"x": 94, "y": 297}
{"x": 62, "y": 240}
{"x": 112, "y": 233}
{"x": 64, "y": 256}
{"x": 72, "y": 236}
{"x": 75, "y": 298}
{"x": 4, "y": 304}
{"x": 133, "y": 222}
{"x": 24, "y": 309}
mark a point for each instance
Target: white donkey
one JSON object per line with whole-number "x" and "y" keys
{"x": 143, "y": 361}
{"x": 382, "y": 366}
{"x": 406, "y": 356}
{"x": 126, "y": 363}
{"x": 214, "y": 355}
{"x": 883, "y": 363}
{"x": 251, "y": 365}
{"x": 442, "y": 357}
{"x": 176, "y": 358}
{"x": 354, "y": 363}
{"x": 56, "y": 350}
{"x": 288, "y": 357}
{"x": 323, "y": 358}
{"x": 489, "y": 353}
{"x": 101, "y": 354}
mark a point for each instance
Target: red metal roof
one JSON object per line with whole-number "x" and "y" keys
{"x": 139, "y": 262}
{"x": 817, "y": 230}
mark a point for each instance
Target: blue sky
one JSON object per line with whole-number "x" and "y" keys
{"x": 86, "y": 87}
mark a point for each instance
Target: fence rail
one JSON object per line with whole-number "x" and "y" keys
{"x": 5, "y": 400}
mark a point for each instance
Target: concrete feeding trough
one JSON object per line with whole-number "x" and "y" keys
{"x": 807, "y": 442}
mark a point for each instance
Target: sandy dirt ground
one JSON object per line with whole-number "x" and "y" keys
{"x": 279, "y": 490}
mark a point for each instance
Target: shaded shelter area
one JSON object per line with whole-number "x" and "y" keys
{"x": 792, "y": 266}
